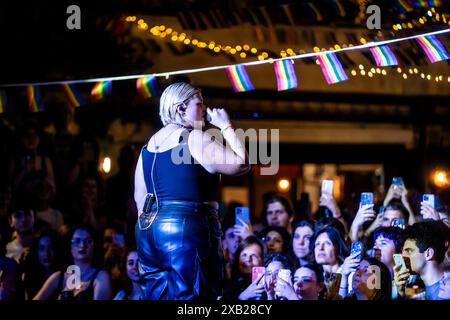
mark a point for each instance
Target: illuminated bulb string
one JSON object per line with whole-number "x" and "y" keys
{"x": 432, "y": 16}
{"x": 221, "y": 67}
{"x": 405, "y": 74}
{"x": 163, "y": 31}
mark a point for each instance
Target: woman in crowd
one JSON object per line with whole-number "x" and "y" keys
{"x": 329, "y": 249}
{"x": 45, "y": 258}
{"x": 274, "y": 263}
{"x": 277, "y": 239}
{"x": 132, "y": 290}
{"x": 249, "y": 254}
{"x": 301, "y": 242}
{"x": 83, "y": 280}
{"x": 308, "y": 284}
{"x": 372, "y": 281}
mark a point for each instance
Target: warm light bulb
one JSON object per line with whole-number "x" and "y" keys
{"x": 283, "y": 185}
{"x": 106, "y": 165}
{"x": 440, "y": 178}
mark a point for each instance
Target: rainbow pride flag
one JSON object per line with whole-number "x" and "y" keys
{"x": 74, "y": 98}
{"x": 101, "y": 89}
{"x": 146, "y": 87}
{"x": 433, "y": 48}
{"x": 384, "y": 57}
{"x": 239, "y": 78}
{"x": 332, "y": 68}
{"x": 286, "y": 78}
{"x": 3, "y": 101}
{"x": 34, "y": 99}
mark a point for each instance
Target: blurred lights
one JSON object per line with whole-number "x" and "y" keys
{"x": 440, "y": 178}
{"x": 106, "y": 165}
{"x": 283, "y": 185}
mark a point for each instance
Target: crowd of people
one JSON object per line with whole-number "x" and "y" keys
{"x": 66, "y": 234}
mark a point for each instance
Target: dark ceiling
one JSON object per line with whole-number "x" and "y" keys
{"x": 37, "y": 46}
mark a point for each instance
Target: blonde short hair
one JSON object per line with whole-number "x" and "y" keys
{"x": 172, "y": 97}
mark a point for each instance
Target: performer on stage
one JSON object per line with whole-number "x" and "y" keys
{"x": 178, "y": 232}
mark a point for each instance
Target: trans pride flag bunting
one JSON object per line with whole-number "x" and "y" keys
{"x": 101, "y": 90}
{"x": 384, "y": 57}
{"x": 332, "y": 68}
{"x": 239, "y": 78}
{"x": 34, "y": 99}
{"x": 146, "y": 87}
{"x": 74, "y": 98}
{"x": 433, "y": 48}
{"x": 286, "y": 78}
{"x": 3, "y": 101}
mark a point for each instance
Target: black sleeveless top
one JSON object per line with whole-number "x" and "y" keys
{"x": 85, "y": 295}
{"x": 177, "y": 176}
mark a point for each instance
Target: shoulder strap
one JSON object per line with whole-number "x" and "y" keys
{"x": 94, "y": 276}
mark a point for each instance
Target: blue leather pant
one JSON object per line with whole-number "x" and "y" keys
{"x": 180, "y": 254}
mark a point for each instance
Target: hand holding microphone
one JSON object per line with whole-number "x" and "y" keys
{"x": 218, "y": 117}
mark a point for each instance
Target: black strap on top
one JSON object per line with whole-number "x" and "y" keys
{"x": 81, "y": 293}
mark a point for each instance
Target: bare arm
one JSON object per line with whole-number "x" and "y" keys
{"x": 102, "y": 286}
{"x": 216, "y": 157}
{"x": 140, "y": 190}
{"x": 49, "y": 287}
{"x": 207, "y": 147}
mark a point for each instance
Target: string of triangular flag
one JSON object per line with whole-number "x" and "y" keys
{"x": 146, "y": 85}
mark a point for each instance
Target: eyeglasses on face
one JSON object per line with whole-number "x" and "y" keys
{"x": 79, "y": 241}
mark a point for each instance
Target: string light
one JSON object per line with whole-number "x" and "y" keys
{"x": 222, "y": 67}
{"x": 246, "y": 47}
{"x": 405, "y": 76}
{"x": 162, "y": 31}
{"x": 435, "y": 17}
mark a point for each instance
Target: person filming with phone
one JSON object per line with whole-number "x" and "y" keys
{"x": 178, "y": 233}
{"x": 424, "y": 247}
